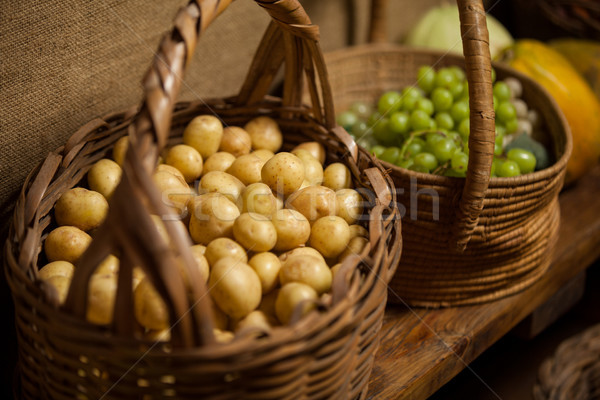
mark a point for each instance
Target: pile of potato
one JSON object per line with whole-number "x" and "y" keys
{"x": 270, "y": 229}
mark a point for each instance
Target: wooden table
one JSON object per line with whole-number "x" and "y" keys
{"x": 423, "y": 349}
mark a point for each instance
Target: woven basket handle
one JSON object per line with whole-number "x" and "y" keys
{"x": 129, "y": 230}
{"x": 482, "y": 131}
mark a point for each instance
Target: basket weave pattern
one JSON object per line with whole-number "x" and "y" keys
{"x": 328, "y": 354}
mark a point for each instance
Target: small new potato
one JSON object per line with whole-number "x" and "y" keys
{"x": 187, "y": 160}
{"x": 264, "y": 133}
{"x": 263, "y": 154}
{"x": 224, "y": 183}
{"x": 170, "y": 169}
{"x": 355, "y": 246}
{"x": 330, "y": 236}
{"x": 61, "y": 284}
{"x": 247, "y": 169}
{"x": 309, "y": 270}
{"x": 150, "y": 309}
{"x": 293, "y": 229}
{"x": 290, "y": 296}
{"x": 204, "y": 134}
{"x": 201, "y": 262}
{"x": 104, "y": 176}
{"x": 212, "y": 216}
{"x": 110, "y": 265}
{"x": 66, "y": 243}
{"x": 102, "y": 292}
{"x": 315, "y": 148}
{"x": 313, "y": 170}
{"x": 267, "y": 266}
{"x": 258, "y": 198}
{"x": 56, "y": 268}
{"x": 255, "y": 320}
{"x": 220, "y": 161}
{"x": 174, "y": 189}
{"x": 313, "y": 202}
{"x": 236, "y": 141}
{"x": 349, "y": 205}
{"x": 255, "y": 232}
{"x": 337, "y": 176}
{"x": 120, "y": 150}
{"x": 303, "y": 251}
{"x": 267, "y": 305}
{"x": 235, "y": 287}
{"x": 224, "y": 247}
{"x": 283, "y": 173}
{"x": 82, "y": 208}
{"x": 358, "y": 230}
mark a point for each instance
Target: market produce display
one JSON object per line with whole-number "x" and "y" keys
{"x": 425, "y": 127}
{"x": 268, "y": 226}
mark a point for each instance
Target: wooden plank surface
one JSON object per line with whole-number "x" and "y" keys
{"x": 423, "y": 349}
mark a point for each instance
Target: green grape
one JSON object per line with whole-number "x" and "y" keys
{"x": 390, "y": 155}
{"x": 455, "y": 136}
{"x": 454, "y": 174}
{"x": 377, "y": 150}
{"x": 433, "y": 137}
{"x": 366, "y": 142}
{"x": 432, "y": 124}
{"x": 459, "y": 161}
{"x": 442, "y": 99}
{"x": 399, "y": 122}
{"x": 506, "y": 112}
{"x": 495, "y": 102}
{"x": 444, "y": 149}
{"x": 405, "y": 163}
{"x": 496, "y": 164}
{"x": 458, "y": 72}
{"x": 389, "y": 102}
{"x": 493, "y": 75}
{"x": 418, "y": 168}
{"x": 411, "y": 92}
{"x": 499, "y": 139}
{"x": 410, "y": 96}
{"x": 493, "y": 171}
{"x": 508, "y": 169}
{"x": 347, "y": 119}
{"x": 465, "y": 93}
{"x": 511, "y": 126}
{"x": 464, "y": 128}
{"x": 444, "y": 120}
{"x": 502, "y": 91}
{"x": 524, "y": 158}
{"x": 426, "y": 78}
{"x": 426, "y": 160}
{"x": 460, "y": 110}
{"x": 374, "y": 118}
{"x": 360, "y": 129}
{"x": 424, "y": 104}
{"x": 457, "y": 89}
{"x": 497, "y": 149}
{"x": 500, "y": 130}
{"x": 414, "y": 147}
{"x": 382, "y": 133}
{"x": 445, "y": 78}
{"x": 419, "y": 141}
{"x": 361, "y": 109}
{"x": 419, "y": 120}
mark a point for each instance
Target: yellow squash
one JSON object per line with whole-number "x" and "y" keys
{"x": 573, "y": 95}
{"x": 584, "y": 55}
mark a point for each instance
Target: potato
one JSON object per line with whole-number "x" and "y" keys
{"x": 247, "y": 169}
{"x": 224, "y": 183}
{"x": 223, "y": 336}
{"x": 337, "y": 176}
{"x": 267, "y": 266}
{"x": 293, "y": 229}
{"x": 263, "y": 154}
{"x": 110, "y": 265}
{"x": 330, "y": 236}
{"x": 201, "y": 262}
{"x": 198, "y": 249}
{"x": 138, "y": 276}
{"x": 313, "y": 202}
{"x": 224, "y": 247}
{"x": 290, "y": 296}
{"x": 314, "y": 148}
{"x": 158, "y": 336}
{"x": 204, "y": 134}
{"x": 221, "y": 319}
{"x": 66, "y": 243}
{"x": 236, "y": 141}
{"x": 267, "y": 304}
{"x": 255, "y": 320}
{"x": 200, "y": 265}
{"x": 255, "y": 232}
{"x": 56, "y": 268}
{"x": 349, "y": 205}
{"x": 175, "y": 191}
{"x": 284, "y": 173}
{"x": 258, "y": 198}
{"x": 170, "y": 169}
{"x": 61, "y": 283}
{"x": 301, "y": 251}
{"x": 355, "y": 246}
{"x": 104, "y": 176}
{"x": 313, "y": 170}
{"x": 309, "y": 270}
{"x": 187, "y": 160}
{"x": 120, "y": 149}
{"x": 264, "y": 133}
{"x": 212, "y": 217}
{"x": 102, "y": 293}
{"x": 82, "y": 208}
{"x": 150, "y": 309}
{"x": 358, "y": 230}
{"x": 235, "y": 287}
{"x": 220, "y": 161}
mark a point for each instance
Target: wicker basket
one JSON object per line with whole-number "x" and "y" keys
{"x": 573, "y": 372}
{"x": 327, "y": 354}
{"x": 509, "y": 224}
{"x": 580, "y": 17}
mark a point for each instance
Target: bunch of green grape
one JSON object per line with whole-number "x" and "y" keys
{"x": 425, "y": 127}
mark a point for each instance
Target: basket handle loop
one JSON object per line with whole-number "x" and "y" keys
{"x": 482, "y": 131}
